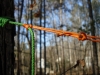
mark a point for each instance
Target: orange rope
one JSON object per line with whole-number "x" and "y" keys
{"x": 81, "y": 36}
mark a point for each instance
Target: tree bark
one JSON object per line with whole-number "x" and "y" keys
{"x": 7, "y": 39}
{"x": 95, "y": 54}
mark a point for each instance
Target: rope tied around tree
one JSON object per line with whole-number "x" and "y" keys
{"x": 4, "y": 21}
{"x": 80, "y": 36}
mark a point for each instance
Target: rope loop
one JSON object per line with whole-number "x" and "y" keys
{"x": 26, "y": 26}
{"x": 30, "y": 26}
{"x": 82, "y": 36}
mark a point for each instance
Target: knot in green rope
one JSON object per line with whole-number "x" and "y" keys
{"x": 3, "y": 21}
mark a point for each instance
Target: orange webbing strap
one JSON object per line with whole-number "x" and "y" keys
{"x": 81, "y": 36}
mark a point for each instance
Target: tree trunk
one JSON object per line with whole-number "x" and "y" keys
{"x": 7, "y": 39}
{"x": 95, "y": 54}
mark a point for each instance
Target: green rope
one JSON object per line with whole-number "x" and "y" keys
{"x": 3, "y": 21}
{"x": 16, "y": 23}
{"x": 33, "y": 52}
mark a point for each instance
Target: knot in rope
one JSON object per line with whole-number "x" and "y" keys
{"x": 82, "y": 36}
{"x": 27, "y": 26}
{"x": 3, "y": 21}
